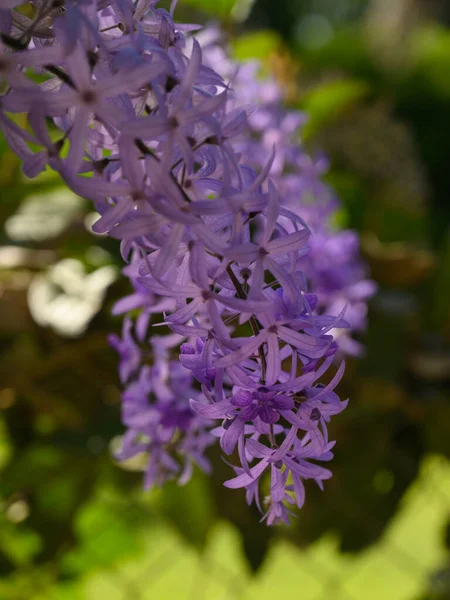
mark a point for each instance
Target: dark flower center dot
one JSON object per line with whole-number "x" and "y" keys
{"x": 92, "y": 58}
{"x": 273, "y": 329}
{"x": 206, "y": 295}
{"x": 315, "y": 414}
{"x": 173, "y": 122}
{"x": 245, "y": 274}
{"x": 263, "y": 252}
{"x": 136, "y": 195}
{"x": 100, "y": 165}
{"x": 88, "y": 97}
{"x": 213, "y": 140}
{"x": 171, "y": 83}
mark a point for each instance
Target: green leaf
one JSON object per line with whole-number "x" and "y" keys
{"x": 59, "y": 496}
{"x": 328, "y": 101}
{"x": 431, "y": 54}
{"x": 258, "y": 44}
{"x": 6, "y": 450}
{"x": 106, "y": 534}
{"x": 346, "y": 51}
{"x": 217, "y": 8}
{"x": 20, "y": 544}
{"x": 44, "y": 215}
{"x": 189, "y": 508}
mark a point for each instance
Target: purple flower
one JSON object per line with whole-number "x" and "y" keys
{"x": 161, "y": 422}
{"x": 262, "y": 403}
{"x": 129, "y": 351}
{"x": 199, "y": 361}
{"x": 333, "y": 265}
{"x": 202, "y": 193}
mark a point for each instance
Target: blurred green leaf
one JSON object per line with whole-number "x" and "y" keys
{"x": 20, "y": 543}
{"x": 326, "y": 102}
{"x": 347, "y": 50}
{"x": 32, "y": 466}
{"x": 44, "y": 216}
{"x": 105, "y": 534}
{"x": 258, "y": 44}
{"x": 430, "y": 50}
{"x": 350, "y": 189}
{"x": 59, "y": 496}
{"x": 256, "y": 539}
{"x": 189, "y": 508}
{"x": 66, "y": 298}
{"x": 216, "y": 8}
{"x": 6, "y": 449}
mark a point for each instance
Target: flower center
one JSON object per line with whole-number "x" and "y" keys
{"x": 136, "y": 195}
{"x": 88, "y": 97}
{"x": 315, "y": 414}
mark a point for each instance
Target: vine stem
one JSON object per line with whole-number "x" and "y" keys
{"x": 235, "y": 281}
{"x": 253, "y": 322}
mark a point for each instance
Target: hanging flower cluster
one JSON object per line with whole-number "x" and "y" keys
{"x": 333, "y": 265}
{"x": 231, "y": 340}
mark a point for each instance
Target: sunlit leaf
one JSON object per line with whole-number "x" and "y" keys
{"x": 430, "y": 48}
{"x": 329, "y": 100}
{"x": 217, "y": 8}
{"x": 258, "y": 44}
{"x": 43, "y": 216}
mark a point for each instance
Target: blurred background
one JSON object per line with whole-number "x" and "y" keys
{"x": 374, "y": 76}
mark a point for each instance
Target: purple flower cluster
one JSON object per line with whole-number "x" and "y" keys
{"x": 156, "y": 411}
{"x": 137, "y": 122}
{"x": 333, "y": 266}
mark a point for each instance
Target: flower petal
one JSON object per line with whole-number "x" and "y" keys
{"x": 310, "y": 346}
{"x": 244, "y": 351}
{"x": 231, "y": 436}
{"x": 243, "y": 480}
{"x": 219, "y": 410}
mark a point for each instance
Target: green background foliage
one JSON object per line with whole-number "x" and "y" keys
{"x": 374, "y": 79}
